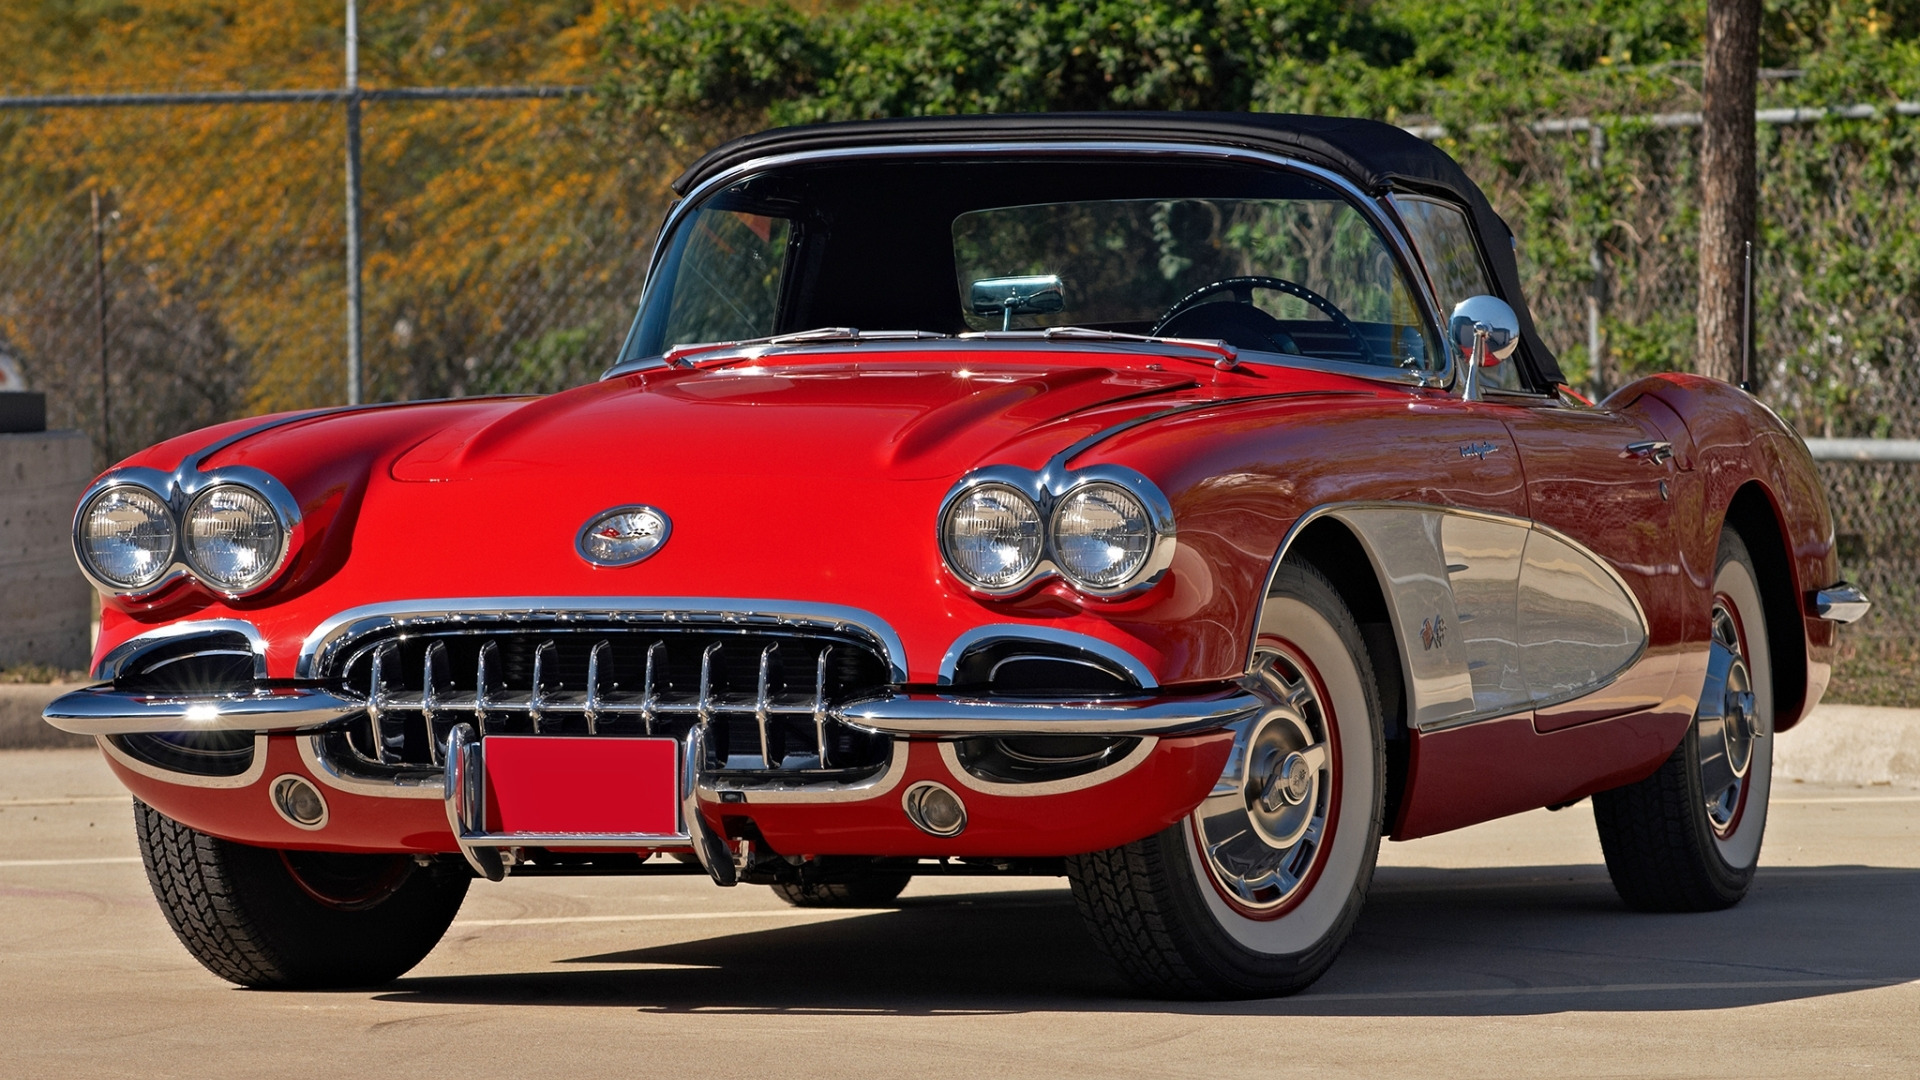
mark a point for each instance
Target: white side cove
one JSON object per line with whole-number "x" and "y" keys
{"x": 1494, "y": 614}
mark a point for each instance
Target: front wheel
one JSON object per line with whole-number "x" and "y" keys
{"x": 296, "y": 920}
{"x": 1688, "y": 837}
{"x": 1254, "y": 894}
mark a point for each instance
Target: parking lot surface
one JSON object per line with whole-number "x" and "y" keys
{"x": 1497, "y": 951}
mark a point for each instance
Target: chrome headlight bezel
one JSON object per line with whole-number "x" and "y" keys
{"x": 1047, "y": 490}
{"x": 178, "y": 491}
{"x": 168, "y": 568}
{"x": 944, "y": 535}
{"x": 283, "y": 547}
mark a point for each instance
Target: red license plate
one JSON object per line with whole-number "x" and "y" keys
{"x": 561, "y": 784}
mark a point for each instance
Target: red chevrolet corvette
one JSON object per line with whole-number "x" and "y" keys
{"x": 1179, "y": 503}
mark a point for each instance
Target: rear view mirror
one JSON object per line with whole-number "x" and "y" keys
{"x": 1487, "y": 331}
{"x": 1006, "y": 297}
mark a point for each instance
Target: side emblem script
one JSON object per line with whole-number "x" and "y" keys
{"x": 623, "y": 535}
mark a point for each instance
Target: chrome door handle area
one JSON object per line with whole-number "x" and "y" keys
{"x": 1651, "y": 450}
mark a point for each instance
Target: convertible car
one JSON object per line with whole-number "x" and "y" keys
{"x": 1179, "y": 503}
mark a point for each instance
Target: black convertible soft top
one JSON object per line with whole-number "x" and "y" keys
{"x": 1378, "y": 157}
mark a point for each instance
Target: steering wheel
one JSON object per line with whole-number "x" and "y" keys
{"x": 1244, "y": 325}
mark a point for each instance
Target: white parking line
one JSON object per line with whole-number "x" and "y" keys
{"x": 1846, "y": 798}
{"x": 72, "y": 800}
{"x": 678, "y": 916}
{"x": 1606, "y": 988}
{"x": 7, "y": 864}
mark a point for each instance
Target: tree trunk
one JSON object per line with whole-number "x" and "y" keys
{"x": 1729, "y": 188}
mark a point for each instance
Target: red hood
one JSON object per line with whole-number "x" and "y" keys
{"x": 823, "y": 417}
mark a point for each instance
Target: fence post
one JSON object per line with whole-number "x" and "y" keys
{"x": 100, "y": 327}
{"x": 353, "y": 206}
{"x": 1597, "y": 373}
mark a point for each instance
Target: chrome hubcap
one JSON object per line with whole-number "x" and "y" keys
{"x": 1262, "y": 825}
{"x": 1726, "y": 722}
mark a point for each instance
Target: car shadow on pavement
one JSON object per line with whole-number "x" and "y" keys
{"x": 1510, "y": 940}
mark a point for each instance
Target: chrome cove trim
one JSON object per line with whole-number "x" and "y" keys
{"x": 177, "y": 491}
{"x": 126, "y": 655}
{"x": 1385, "y": 222}
{"x": 102, "y": 710}
{"x": 951, "y": 757}
{"x": 1048, "y": 489}
{"x": 340, "y": 631}
{"x": 1516, "y": 580}
{"x": 1841, "y": 603}
{"x": 996, "y": 633}
{"x": 942, "y": 716}
{"x": 254, "y": 772}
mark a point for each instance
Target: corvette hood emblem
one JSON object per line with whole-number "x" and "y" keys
{"x": 623, "y": 535}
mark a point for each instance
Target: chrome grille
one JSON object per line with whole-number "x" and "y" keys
{"x": 764, "y": 693}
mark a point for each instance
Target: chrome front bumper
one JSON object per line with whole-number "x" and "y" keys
{"x": 102, "y": 710}
{"x": 1841, "y": 603}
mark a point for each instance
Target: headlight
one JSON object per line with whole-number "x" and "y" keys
{"x": 235, "y": 540}
{"x": 992, "y": 536}
{"x": 126, "y": 537}
{"x": 1101, "y": 535}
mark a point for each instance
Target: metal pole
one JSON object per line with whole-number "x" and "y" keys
{"x": 1746, "y": 326}
{"x": 353, "y": 206}
{"x": 100, "y": 326}
{"x": 1597, "y": 261}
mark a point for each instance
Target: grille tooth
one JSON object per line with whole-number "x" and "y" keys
{"x": 593, "y": 686}
{"x": 482, "y": 683}
{"x": 761, "y": 720}
{"x": 605, "y": 678}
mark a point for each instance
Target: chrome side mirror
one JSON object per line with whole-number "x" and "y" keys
{"x": 1006, "y": 297}
{"x": 1486, "y": 331}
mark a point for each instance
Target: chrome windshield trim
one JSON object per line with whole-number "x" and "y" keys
{"x": 944, "y": 716}
{"x": 124, "y": 655}
{"x": 767, "y": 348}
{"x": 994, "y": 633}
{"x": 338, "y": 631}
{"x": 102, "y": 710}
{"x": 1386, "y": 224}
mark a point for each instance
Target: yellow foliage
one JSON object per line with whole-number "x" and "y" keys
{"x": 487, "y": 226}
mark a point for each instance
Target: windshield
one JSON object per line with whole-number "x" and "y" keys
{"x": 1274, "y": 263}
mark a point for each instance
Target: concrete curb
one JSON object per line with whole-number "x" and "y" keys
{"x": 20, "y": 725}
{"x": 1851, "y": 744}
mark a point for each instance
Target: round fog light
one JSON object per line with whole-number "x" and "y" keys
{"x": 936, "y": 810}
{"x": 299, "y": 802}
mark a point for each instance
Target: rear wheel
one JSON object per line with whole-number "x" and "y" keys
{"x": 1688, "y": 837}
{"x": 295, "y": 919}
{"x": 1254, "y": 894}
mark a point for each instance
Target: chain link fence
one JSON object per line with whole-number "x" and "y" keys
{"x": 505, "y": 243}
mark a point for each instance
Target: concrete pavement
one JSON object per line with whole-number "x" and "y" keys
{"x": 1493, "y": 952}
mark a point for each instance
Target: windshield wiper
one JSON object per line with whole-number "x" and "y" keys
{"x": 684, "y": 355}
{"x": 848, "y": 333}
{"x": 1228, "y": 355}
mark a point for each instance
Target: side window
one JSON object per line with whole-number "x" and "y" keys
{"x": 1444, "y": 238}
{"x": 729, "y": 271}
